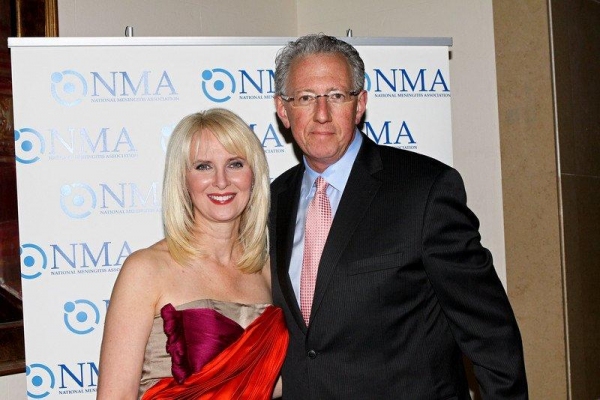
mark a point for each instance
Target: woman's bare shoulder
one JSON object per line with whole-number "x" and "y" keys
{"x": 149, "y": 260}
{"x": 142, "y": 275}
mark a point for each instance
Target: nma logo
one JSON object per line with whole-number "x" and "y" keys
{"x": 219, "y": 84}
{"x": 73, "y": 143}
{"x": 63, "y": 379}
{"x": 69, "y": 88}
{"x": 268, "y": 135}
{"x": 390, "y": 133}
{"x": 269, "y": 138}
{"x": 29, "y": 145}
{"x": 72, "y": 258}
{"x": 79, "y": 200}
{"x": 398, "y": 81}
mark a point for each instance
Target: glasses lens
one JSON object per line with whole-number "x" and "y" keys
{"x": 337, "y": 97}
{"x": 304, "y": 100}
{"x": 309, "y": 99}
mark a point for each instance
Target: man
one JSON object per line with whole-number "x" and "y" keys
{"x": 403, "y": 286}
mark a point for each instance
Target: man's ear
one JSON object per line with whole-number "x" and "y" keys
{"x": 282, "y": 111}
{"x": 361, "y": 106}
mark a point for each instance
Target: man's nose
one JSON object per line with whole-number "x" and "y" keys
{"x": 322, "y": 109}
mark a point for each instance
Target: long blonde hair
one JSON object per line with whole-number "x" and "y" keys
{"x": 178, "y": 213}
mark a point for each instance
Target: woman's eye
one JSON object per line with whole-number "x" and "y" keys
{"x": 202, "y": 167}
{"x": 236, "y": 164}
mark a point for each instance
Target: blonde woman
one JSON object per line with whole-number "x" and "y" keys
{"x": 191, "y": 316}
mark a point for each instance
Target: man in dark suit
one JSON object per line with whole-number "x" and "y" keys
{"x": 404, "y": 288}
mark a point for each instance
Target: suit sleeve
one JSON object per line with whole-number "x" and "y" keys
{"x": 470, "y": 293}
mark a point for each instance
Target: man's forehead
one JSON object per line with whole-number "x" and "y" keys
{"x": 320, "y": 66}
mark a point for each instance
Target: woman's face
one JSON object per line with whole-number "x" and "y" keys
{"x": 219, "y": 183}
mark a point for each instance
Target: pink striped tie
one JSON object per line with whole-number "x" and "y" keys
{"x": 318, "y": 222}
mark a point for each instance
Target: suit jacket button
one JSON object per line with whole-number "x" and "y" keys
{"x": 312, "y": 354}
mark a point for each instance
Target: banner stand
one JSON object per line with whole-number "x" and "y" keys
{"x": 92, "y": 120}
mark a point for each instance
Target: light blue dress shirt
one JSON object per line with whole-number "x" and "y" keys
{"x": 336, "y": 176}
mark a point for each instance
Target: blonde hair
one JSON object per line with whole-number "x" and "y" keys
{"x": 178, "y": 213}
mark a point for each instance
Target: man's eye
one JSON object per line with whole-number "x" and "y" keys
{"x": 336, "y": 96}
{"x": 306, "y": 98}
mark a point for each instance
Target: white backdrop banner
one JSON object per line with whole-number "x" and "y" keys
{"x": 92, "y": 119}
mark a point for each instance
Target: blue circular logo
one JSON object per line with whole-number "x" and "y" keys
{"x": 81, "y": 316}
{"x": 77, "y": 200}
{"x": 40, "y": 381}
{"x": 29, "y": 145}
{"x": 218, "y": 85}
{"x": 68, "y": 87}
{"x": 367, "y": 82}
{"x": 33, "y": 261}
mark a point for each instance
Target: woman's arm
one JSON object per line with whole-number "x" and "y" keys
{"x": 127, "y": 328}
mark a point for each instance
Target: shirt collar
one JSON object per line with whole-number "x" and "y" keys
{"x": 336, "y": 174}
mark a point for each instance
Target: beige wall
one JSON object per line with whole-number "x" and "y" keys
{"x": 177, "y": 18}
{"x": 530, "y": 180}
{"x": 549, "y": 103}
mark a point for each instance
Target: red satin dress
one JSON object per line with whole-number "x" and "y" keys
{"x": 215, "y": 358}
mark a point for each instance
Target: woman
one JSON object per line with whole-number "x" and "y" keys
{"x": 203, "y": 292}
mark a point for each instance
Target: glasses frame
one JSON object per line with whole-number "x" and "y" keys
{"x": 290, "y": 99}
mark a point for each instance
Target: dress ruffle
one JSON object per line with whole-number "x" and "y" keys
{"x": 195, "y": 336}
{"x": 246, "y": 369}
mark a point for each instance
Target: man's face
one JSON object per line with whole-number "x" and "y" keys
{"x": 322, "y": 130}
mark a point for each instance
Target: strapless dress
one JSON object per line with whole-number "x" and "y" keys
{"x": 220, "y": 320}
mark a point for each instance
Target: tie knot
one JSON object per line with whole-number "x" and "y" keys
{"x": 321, "y": 185}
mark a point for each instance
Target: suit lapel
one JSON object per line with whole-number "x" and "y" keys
{"x": 287, "y": 209}
{"x": 360, "y": 190}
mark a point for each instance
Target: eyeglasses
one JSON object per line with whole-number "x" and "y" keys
{"x": 310, "y": 99}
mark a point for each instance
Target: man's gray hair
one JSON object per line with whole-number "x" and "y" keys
{"x": 317, "y": 44}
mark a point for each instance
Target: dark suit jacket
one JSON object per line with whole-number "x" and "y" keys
{"x": 404, "y": 289}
